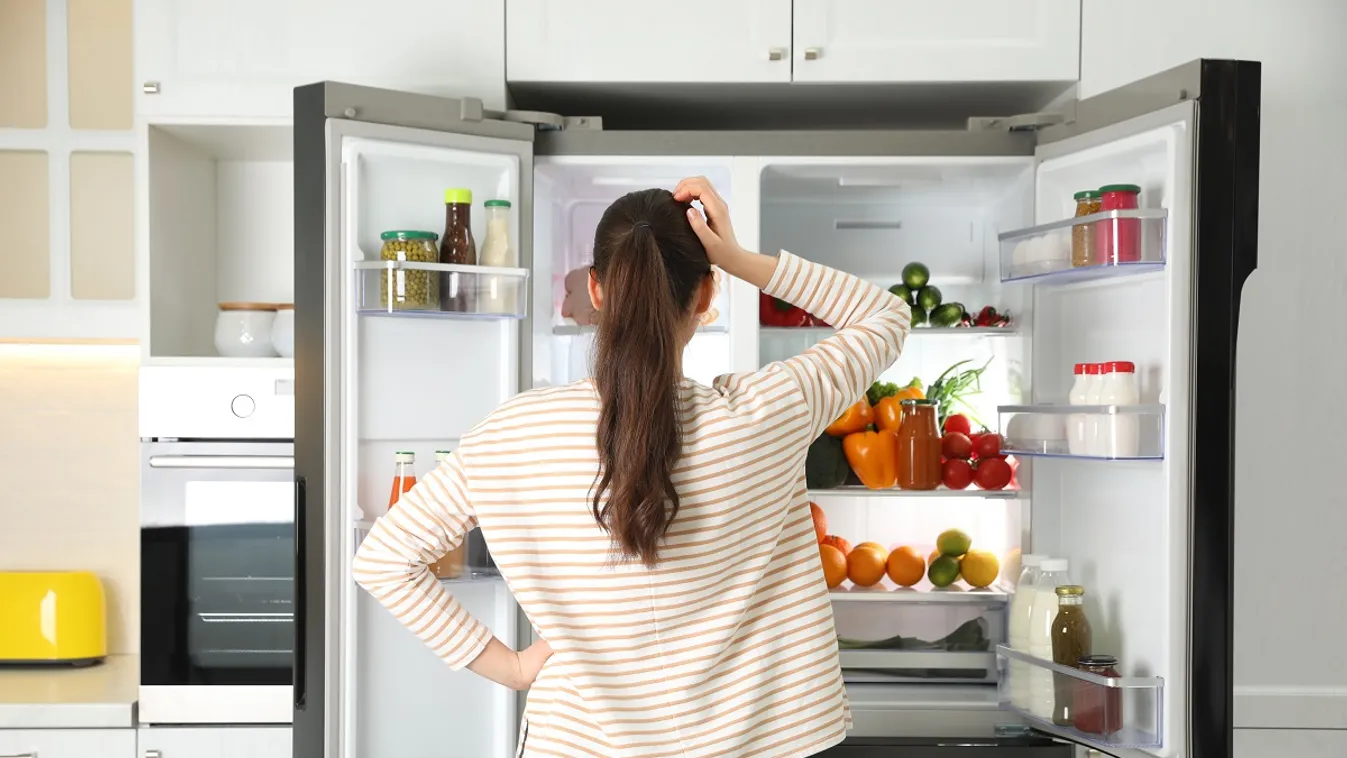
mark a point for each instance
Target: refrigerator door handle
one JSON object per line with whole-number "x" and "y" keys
{"x": 234, "y": 462}
{"x": 298, "y": 668}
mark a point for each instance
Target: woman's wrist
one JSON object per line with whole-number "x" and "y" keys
{"x": 755, "y": 268}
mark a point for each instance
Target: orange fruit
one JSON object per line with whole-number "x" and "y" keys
{"x": 876, "y": 546}
{"x": 820, "y": 521}
{"x": 866, "y": 566}
{"x": 905, "y": 566}
{"x": 838, "y": 543}
{"x": 834, "y": 565}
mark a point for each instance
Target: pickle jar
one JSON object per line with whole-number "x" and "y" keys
{"x": 1088, "y": 203}
{"x": 406, "y": 288}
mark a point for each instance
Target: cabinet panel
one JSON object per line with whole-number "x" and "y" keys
{"x": 99, "y": 33}
{"x": 921, "y": 41}
{"x": 102, "y": 226}
{"x": 244, "y": 58}
{"x": 25, "y": 258}
{"x": 647, "y": 41}
{"x": 23, "y": 64}
{"x": 68, "y": 743}
{"x": 228, "y": 742}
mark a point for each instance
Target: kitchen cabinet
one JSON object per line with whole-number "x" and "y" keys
{"x": 68, "y": 743}
{"x": 223, "y": 742}
{"x": 244, "y": 58}
{"x": 918, "y": 41}
{"x": 647, "y": 41}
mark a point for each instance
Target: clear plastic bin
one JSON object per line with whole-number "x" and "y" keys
{"x": 1118, "y": 432}
{"x": 1121, "y": 712}
{"x": 493, "y": 293}
{"x": 1044, "y": 252}
{"x": 905, "y": 635}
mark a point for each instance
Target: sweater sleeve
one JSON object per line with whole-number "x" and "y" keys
{"x": 393, "y": 563}
{"x": 872, "y": 325}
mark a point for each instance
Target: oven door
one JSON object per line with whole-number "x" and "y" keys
{"x": 217, "y": 582}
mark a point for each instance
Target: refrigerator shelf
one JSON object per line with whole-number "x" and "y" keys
{"x": 1127, "y": 712}
{"x": 920, "y": 642}
{"x": 819, "y": 332}
{"x": 410, "y": 288}
{"x": 1088, "y": 432}
{"x": 921, "y": 594}
{"x": 1042, "y": 254}
{"x": 857, "y": 490}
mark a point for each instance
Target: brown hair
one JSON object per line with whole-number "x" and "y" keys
{"x": 650, "y": 263}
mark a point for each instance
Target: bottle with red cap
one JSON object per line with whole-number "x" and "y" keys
{"x": 1118, "y": 432}
{"x": 1078, "y": 424}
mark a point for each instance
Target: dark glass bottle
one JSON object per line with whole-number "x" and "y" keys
{"x": 1071, "y": 641}
{"x": 458, "y": 247}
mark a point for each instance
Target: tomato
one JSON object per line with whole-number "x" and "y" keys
{"x": 957, "y": 422}
{"x": 957, "y": 474}
{"x": 988, "y": 446}
{"x": 992, "y": 474}
{"x": 956, "y": 445}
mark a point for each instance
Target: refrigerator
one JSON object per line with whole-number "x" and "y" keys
{"x": 989, "y": 210}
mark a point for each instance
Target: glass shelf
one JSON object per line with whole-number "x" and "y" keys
{"x": 921, "y": 594}
{"x": 408, "y": 288}
{"x": 571, "y": 330}
{"x": 856, "y": 490}
{"x": 1119, "y": 712}
{"x": 819, "y": 332}
{"x": 1121, "y": 243}
{"x": 1093, "y": 432}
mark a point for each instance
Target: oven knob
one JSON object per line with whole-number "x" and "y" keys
{"x": 242, "y": 406}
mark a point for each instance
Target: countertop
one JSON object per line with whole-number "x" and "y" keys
{"x": 102, "y": 696}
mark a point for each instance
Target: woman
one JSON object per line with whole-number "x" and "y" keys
{"x": 655, "y": 531}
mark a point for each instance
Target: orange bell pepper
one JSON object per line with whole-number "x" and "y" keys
{"x": 853, "y": 420}
{"x": 910, "y": 393}
{"x": 874, "y": 457}
{"x": 889, "y": 414}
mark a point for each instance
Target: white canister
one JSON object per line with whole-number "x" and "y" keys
{"x": 283, "y": 331}
{"x": 243, "y": 330}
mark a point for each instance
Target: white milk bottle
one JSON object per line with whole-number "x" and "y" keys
{"x": 1021, "y": 609}
{"x": 1119, "y": 433}
{"x": 1042, "y": 690}
{"x": 1077, "y": 423}
{"x": 1093, "y": 384}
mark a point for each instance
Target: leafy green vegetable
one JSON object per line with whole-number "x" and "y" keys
{"x": 952, "y": 389}
{"x": 880, "y": 390}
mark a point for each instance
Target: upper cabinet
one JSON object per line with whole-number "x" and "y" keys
{"x": 242, "y": 59}
{"x": 920, "y": 41}
{"x": 640, "y": 41}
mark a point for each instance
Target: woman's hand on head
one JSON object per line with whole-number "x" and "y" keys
{"x": 715, "y": 230}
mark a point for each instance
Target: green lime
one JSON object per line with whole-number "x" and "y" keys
{"x": 918, "y": 316}
{"x": 943, "y": 571}
{"x": 929, "y": 298}
{"x": 905, "y": 292}
{"x": 916, "y": 275}
{"x": 953, "y": 542}
{"x": 948, "y": 314}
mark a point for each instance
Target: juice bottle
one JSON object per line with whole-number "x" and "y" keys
{"x": 404, "y": 476}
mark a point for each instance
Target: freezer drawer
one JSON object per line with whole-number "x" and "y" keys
{"x": 933, "y": 636}
{"x": 973, "y": 747}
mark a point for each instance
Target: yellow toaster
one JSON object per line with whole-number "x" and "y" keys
{"x": 57, "y": 617}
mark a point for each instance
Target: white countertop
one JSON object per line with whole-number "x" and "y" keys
{"x": 102, "y": 696}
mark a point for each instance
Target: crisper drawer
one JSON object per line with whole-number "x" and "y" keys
{"x": 919, "y": 636}
{"x": 973, "y": 747}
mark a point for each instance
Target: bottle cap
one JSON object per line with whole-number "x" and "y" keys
{"x": 1079, "y": 369}
{"x": 404, "y": 457}
{"x": 1122, "y": 367}
{"x": 1132, "y": 188}
{"x": 1098, "y": 661}
{"x": 408, "y": 234}
{"x": 497, "y": 204}
{"x": 442, "y": 454}
{"x": 1094, "y": 368}
{"x": 1086, "y": 195}
{"x": 1054, "y": 564}
{"x": 1070, "y": 590}
{"x": 458, "y": 195}
{"x": 1032, "y": 559}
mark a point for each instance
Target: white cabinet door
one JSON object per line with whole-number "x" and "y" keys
{"x": 244, "y": 58}
{"x": 209, "y": 742}
{"x": 68, "y": 743}
{"x": 647, "y": 41}
{"x": 925, "y": 41}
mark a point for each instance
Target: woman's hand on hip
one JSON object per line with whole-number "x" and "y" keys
{"x": 717, "y": 234}
{"x": 531, "y": 662}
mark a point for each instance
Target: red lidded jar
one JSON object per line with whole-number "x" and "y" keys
{"x": 1118, "y": 240}
{"x": 1097, "y": 709}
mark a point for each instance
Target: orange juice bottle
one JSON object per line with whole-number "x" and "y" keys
{"x": 404, "y": 476}
{"x": 454, "y": 563}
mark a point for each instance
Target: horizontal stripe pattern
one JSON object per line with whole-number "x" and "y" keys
{"x": 727, "y": 647}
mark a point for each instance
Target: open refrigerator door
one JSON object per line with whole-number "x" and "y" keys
{"x": 398, "y": 354}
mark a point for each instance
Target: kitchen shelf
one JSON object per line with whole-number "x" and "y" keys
{"x": 921, "y": 594}
{"x": 571, "y": 330}
{"x": 857, "y": 490}
{"x": 1047, "y": 431}
{"x": 819, "y": 332}
{"x": 1133, "y": 720}
{"x": 1042, "y": 254}
{"x": 409, "y": 288}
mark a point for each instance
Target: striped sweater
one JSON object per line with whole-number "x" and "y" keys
{"x": 727, "y": 646}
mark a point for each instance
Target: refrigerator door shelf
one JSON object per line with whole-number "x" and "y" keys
{"x": 408, "y": 288}
{"x": 1092, "y": 432}
{"x": 1119, "y": 712}
{"x": 1115, "y": 243}
{"x": 856, "y": 490}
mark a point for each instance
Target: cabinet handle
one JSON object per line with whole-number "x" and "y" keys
{"x": 150, "y": 88}
{"x": 30, "y": 754}
{"x": 776, "y": 53}
{"x": 153, "y": 754}
{"x": 812, "y": 53}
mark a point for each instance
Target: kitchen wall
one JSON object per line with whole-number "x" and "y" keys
{"x": 69, "y": 457}
{"x": 1291, "y": 523}
{"x": 69, "y": 469}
